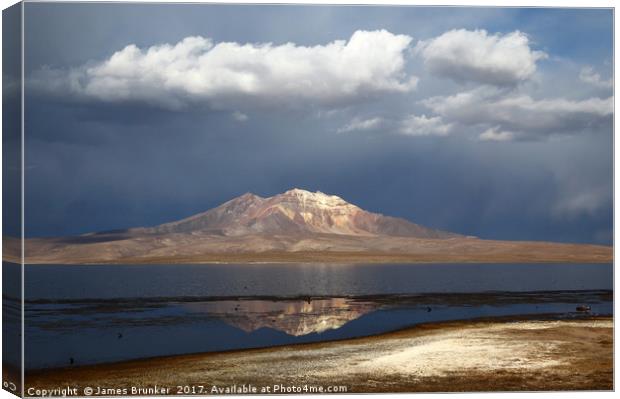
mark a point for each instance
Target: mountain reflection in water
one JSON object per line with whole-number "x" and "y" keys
{"x": 92, "y": 331}
{"x": 294, "y": 317}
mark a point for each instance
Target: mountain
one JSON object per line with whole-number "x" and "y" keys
{"x": 295, "y": 226}
{"x": 294, "y": 212}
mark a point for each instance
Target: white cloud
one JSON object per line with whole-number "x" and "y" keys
{"x": 525, "y": 117}
{"x": 494, "y": 134}
{"x": 476, "y": 56}
{"x": 239, "y": 116}
{"x": 364, "y": 124}
{"x": 412, "y": 125}
{"x": 415, "y": 125}
{"x": 588, "y": 75}
{"x": 230, "y": 74}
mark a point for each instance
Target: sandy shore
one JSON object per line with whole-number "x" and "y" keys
{"x": 454, "y": 356}
{"x": 322, "y": 248}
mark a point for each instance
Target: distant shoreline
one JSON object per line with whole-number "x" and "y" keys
{"x": 259, "y": 263}
{"x": 602, "y": 256}
{"x": 293, "y": 262}
{"x": 322, "y": 248}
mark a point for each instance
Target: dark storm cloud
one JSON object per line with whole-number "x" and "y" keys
{"x": 11, "y": 122}
{"x": 99, "y": 164}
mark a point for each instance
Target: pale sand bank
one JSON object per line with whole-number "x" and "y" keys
{"x": 455, "y": 356}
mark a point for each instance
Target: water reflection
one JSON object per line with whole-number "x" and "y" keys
{"x": 94, "y": 331}
{"x": 294, "y": 317}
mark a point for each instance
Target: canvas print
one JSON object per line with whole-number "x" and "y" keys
{"x": 206, "y": 199}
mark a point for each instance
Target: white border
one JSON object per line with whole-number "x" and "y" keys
{"x": 430, "y": 3}
{"x": 23, "y": 202}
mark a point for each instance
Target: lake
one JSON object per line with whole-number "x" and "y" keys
{"x": 104, "y": 313}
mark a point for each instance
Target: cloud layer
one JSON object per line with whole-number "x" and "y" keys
{"x": 414, "y": 125}
{"x": 476, "y": 56}
{"x": 512, "y": 115}
{"x": 344, "y": 73}
{"x": 229, "y": 74}
{"x": 589, "y": 75}
{"x": 365, "y": 124}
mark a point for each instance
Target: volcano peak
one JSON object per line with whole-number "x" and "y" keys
{"x": 296, "y": 212}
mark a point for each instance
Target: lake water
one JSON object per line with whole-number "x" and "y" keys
{"x": 103, "y": 313}
{"x": 281, "y": 280}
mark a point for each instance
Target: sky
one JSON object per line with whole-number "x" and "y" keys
{"x": 493, "y": 122}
